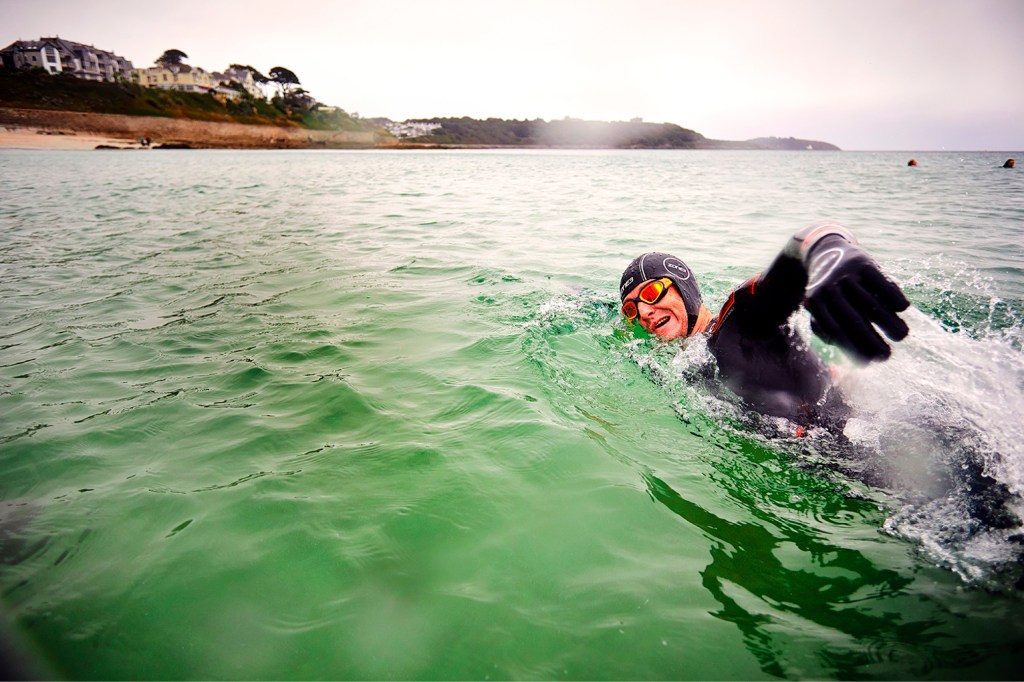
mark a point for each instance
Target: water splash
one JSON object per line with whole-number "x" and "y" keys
{"x": 942, "y": 424}
{"x": 936, "y": 433}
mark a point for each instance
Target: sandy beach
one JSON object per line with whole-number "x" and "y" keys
{"x": 39, "y": 138}
{"x": 42, "y": 129}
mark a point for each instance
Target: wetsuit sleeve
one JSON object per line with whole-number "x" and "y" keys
{"x": 762, "y": 359}
{"x": 842, "y": 288}
{"x": 764, "y": 303}
{"x": 847, "y": 295}
{"x": 759, "y": 356}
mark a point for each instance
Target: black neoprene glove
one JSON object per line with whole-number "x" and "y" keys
{"x": 847, "y": 295}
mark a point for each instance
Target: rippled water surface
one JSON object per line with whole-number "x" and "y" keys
{"x": 289, "y": 415}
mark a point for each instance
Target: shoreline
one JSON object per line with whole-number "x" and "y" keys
{"x": 44, "y": 138}
{"x": 39, "y": 138}
{"x": 42, "y": 129}
{"x": 45, "y": 129}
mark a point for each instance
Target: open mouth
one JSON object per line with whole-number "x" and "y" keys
{"x": 662, "y": 322}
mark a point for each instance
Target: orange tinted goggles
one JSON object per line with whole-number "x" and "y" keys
{"x": 650, "y": 294}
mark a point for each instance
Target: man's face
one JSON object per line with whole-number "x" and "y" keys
{"x": 666, "y": 318}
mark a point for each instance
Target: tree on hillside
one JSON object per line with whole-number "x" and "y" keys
{"x": 284, "y": 78}
{"x": 170, "y": 57}
{"x": 300, "y": 98}
{"x": 256, "y": 75}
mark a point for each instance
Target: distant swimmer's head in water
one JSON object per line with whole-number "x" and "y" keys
{"x": 660, "y": 293}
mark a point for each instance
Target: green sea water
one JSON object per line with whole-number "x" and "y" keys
{"x": 373, "y": 415}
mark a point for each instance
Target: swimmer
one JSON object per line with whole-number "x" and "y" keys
{"x": 912, "y": 162}
{"x": 760, "y": 356}
{"x": 1009, "y": 163}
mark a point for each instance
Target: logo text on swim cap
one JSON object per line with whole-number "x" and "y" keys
{"x": 676, "y": 267}
{"x": 625, "y": 287}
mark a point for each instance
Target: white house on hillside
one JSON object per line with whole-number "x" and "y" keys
{"x": 57, "y": 55}
{"x": 410, "y": 128}
{"x": 194, "y": 79}
{"x": 241, "y": 76}
{"x": 175, "y": 77}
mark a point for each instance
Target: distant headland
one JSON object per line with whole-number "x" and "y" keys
{"x": 573, "y": 133}
{"x": 48, "y": 98}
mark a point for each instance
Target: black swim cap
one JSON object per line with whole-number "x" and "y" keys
{"x": 656, "y": 265}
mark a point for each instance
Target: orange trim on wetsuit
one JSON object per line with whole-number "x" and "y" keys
{"x": 727, "y": 308}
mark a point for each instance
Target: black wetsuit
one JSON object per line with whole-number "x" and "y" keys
{"x": 760, "y": 356}
{"x": 763, "y": 359}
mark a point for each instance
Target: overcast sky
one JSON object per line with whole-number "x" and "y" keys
{"x": 862, "y": 74}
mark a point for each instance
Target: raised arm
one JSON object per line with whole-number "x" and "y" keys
{"x": 762, "y": 305}
{"x": 759, "y": 356}
{"x": 844, "y": 290}
{"x": 847, "y": 295}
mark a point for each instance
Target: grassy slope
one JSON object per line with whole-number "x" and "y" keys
{"x": 39, "y": 90}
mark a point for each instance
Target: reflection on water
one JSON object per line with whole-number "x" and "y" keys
{"x": 759, "y": 593}
{"x": 742, "y": 556}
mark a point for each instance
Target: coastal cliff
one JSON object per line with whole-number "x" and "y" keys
{"x": 182, "y": 132}
{"x": 65, "y": 105}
